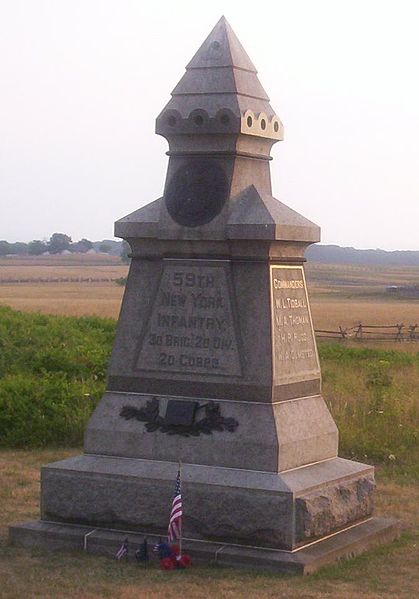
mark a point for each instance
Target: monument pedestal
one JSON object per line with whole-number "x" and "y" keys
{"x": 215, "y": 363}
{"x": 228, "y": 505}
{"x": 293, "y": 522}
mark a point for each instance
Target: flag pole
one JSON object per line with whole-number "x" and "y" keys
{"x": 181, "y": 523}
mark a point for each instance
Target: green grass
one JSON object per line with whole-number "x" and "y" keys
{"x": 53, "y": 368}
{"x": 52, "y": 373}
{"x": 334, "y": 352}
{"x": 373, "y": 395}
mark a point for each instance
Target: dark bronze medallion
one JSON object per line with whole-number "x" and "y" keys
{"x": 196, "y": 193}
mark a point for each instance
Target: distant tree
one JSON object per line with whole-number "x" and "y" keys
{"x": 58, "y": 242}
{"x": 82, "y": 246}
{"x": 125, "y": 252}
{"x": 4, "y": 247}
{"x": 37, "y": 247}
{"x": 105, "y": 248}
{"x": 19, "y": 248}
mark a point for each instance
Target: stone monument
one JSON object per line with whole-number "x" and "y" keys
{"x": 215, "y": 361}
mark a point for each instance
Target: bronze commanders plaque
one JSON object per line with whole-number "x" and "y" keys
{"x": 294, "y": 347}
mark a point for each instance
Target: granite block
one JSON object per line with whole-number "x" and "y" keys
{"x": 221, "y": 504}
{"x": 345, "y": 544}
{"x": 269, "y": 437}
{"x": 323, "y": 511}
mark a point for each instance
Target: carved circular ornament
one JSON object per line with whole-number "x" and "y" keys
{"x": 196, "y": 193}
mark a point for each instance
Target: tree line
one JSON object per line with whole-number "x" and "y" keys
{"x": 334, "y": 254}
{"x": 57, "y": 243}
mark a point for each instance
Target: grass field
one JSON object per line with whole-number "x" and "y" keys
{"x": 356, "y": 280}
{"x": 68, "y": 298}
{"x": 72, "y": 265}
{"x": 348, "y": 312}
{"x": 388, "y": 572}
{"x": 345, "y": 295}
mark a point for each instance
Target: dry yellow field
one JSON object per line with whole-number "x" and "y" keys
{"x": 358, "y": 279}
{"x": 70, "y": 299}
{"x": 104, "y": 299}
{"x": 335, "y": 298}
{"x": 347, "y": 312}
{"x": 69, "y": 266}
{"x": 345, "y": 295}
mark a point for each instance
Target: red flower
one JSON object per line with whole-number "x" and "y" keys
{"x": 175, "y": 549}
{"x": 174, "y": 559}
{"x": 167, "y": 564}
{"x": 184, "y": 561}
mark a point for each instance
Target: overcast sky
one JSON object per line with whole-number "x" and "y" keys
{"x": 82, "y": 81}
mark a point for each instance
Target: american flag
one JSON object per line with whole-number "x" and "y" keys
{"x": 174, "y": 531}
{"x": 123, "y": 550}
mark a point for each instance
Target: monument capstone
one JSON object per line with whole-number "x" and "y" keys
{"x": 215, "y": 361}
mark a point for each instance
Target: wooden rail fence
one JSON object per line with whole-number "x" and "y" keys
{"x": 373, "y": 332}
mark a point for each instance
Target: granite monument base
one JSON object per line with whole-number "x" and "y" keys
{"x": 227, "y": 505}
{"x": 345, "y": 544}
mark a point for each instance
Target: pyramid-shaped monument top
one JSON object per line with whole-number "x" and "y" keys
{"x": 220, "y": 93}
{"x": 222, "y": 49}
{"x": 221, "y": 129}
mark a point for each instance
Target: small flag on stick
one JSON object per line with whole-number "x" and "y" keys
{"x": 174, "y": 531}
{"x": 122, "y": 551}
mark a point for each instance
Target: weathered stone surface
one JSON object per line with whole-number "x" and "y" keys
{"x": 321, "y": 512}
{"x": 225, "y": 504}
{"x": 268, "y": 437}
{"x": 192, "y": 327}
{"x": 252, "y": 444}
{"x": 344, "y": 545}
{"x": 151, "y": 323}
{"x": 112, "y": 499}
{"x": 306, "y": 432}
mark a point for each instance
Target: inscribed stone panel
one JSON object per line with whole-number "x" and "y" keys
{"x": 191, "y": 327}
